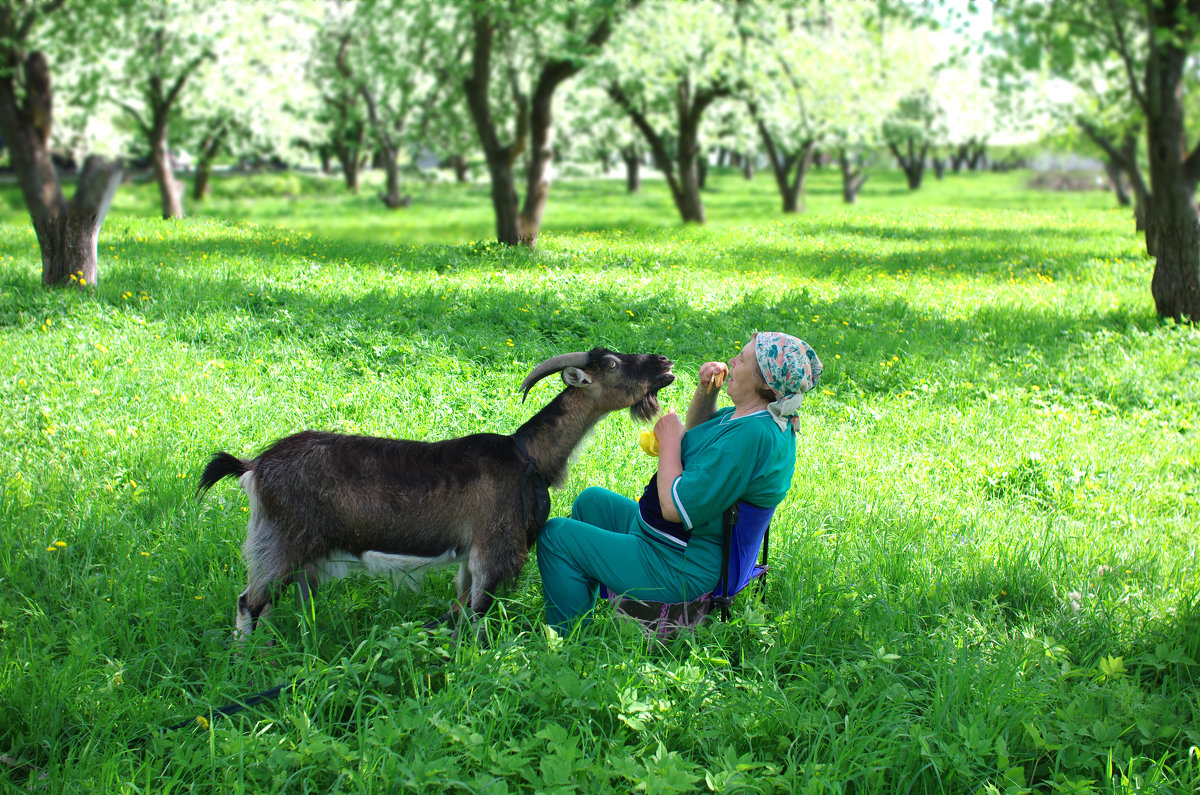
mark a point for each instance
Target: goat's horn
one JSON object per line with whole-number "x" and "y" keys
{"x": 555, "y": 364}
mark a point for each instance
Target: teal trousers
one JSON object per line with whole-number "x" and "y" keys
{"x": 603, "y": 543}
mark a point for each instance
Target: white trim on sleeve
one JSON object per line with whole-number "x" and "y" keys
{"x": 683, "y": 514}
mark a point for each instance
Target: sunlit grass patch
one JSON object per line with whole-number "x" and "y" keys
{"x": 984, "y": 575}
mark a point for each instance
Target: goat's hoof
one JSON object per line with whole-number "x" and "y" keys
{"x": 440, "y": 621}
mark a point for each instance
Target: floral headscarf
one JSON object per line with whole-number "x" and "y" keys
{"x": 791, "y": 368}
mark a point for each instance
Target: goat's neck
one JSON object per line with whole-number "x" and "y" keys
{"x": 551, "y": 435}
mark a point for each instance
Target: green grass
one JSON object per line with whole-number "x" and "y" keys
{"x": 983, "y": 580}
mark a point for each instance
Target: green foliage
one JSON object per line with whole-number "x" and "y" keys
{"x": 983, "y": 580}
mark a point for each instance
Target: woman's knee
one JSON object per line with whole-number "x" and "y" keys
{"x": 552, "y": 533}
{"x": 589, "y": 502}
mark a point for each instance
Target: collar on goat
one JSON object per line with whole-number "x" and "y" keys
{"x": 535, "y": 493}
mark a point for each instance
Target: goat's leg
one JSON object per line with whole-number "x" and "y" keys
{"x": 253, "y": 604}
{"x": 265, "y": 568}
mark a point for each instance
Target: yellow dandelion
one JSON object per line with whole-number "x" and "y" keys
{"x": 51, "y": 548}
{"x": 60, "y": 544}
{"x": 202, "y": 721}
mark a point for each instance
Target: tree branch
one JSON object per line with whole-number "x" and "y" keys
{"x": 1127, "y": 56}
{"x": 137, "y": 118}
{"x": 22, "y": 30}
{"x": 173, "y": 94}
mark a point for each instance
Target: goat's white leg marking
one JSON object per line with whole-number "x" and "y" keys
{"x": 408, "y": 570}
{"x": 479, "y": 581}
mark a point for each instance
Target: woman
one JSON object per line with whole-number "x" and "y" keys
{"x": 667, "y": 546}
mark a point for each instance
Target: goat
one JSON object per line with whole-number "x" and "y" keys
{"x": 325, "y": 504}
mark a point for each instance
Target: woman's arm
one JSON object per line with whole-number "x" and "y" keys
{"x": 704, "y": 399}
{"x": 669, "y": 431}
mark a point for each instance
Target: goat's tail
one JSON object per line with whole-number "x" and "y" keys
{"x": 222, "y": 465}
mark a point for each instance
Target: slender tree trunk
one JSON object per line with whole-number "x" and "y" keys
{"x": 209, "y": 148}
{"x": 534, "y": 127}
{"x": 852, "y": 177}
{"x": 67, "y": 231}
{"x": 1116, "y": 180}
{"x": 170, "y": 190}
{"x": 632, "y": 158}
{"x": 748, "y": 166}
{"x": 462, "y": 173}
{"x": 789, "y": 168}
{"x": 500, "y": 157}
{"x": 347, "y": 145}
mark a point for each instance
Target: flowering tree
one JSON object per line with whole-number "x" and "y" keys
{"x": 1155, "y": 43}
{"x": 667, "y": 65}
{"x": 529, "y": 48}
{"x": 398, "y": 57}
{"x": 67, "y": 231}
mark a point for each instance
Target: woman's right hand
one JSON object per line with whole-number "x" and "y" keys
{"x": 712, "y": 376}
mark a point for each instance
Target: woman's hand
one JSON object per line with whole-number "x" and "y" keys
{"x": 712, "y": 376}
{"x": 669, "y": 430}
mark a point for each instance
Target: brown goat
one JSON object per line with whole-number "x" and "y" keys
{"x": 325, "y": 504}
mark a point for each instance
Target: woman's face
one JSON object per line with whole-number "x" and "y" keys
{"x": 744, "y": 377}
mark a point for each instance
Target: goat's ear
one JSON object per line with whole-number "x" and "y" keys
{"x": 573, "y": 376}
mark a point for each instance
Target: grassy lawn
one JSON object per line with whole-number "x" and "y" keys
{"x": 984, "y": 578}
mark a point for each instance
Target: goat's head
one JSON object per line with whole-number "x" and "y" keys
{"x": 612, "y": 380}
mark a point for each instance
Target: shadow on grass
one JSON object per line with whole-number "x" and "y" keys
{"x": 886, "y": 345}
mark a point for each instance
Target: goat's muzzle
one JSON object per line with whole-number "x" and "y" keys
{"x": 648, "y": 407}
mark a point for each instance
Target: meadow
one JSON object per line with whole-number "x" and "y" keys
{"x": 984, "y": 578}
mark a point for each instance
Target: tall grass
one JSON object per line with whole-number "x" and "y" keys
{"x": 983, "y": 579}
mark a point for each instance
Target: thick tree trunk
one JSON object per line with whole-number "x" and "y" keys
{"x": 912, "y": 162}
{"x": 1173, "y": 225}
{"x": 69, "y": 240}
{"x": 632, "y": 158}
{"x": 67, "y": 232}
{"x": 852, "y": 178}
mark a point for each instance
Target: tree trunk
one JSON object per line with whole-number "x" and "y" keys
{"x": 170, "y": 190}
{"x": 852, "y": 178}
{"x": 783, "y": 164}
{"x": 348, "y": 146}
{"x": 391, "y": 197}
{"x": 913, "y": 163}
{"x": 680, "y": 173}
{"x": 632, "y": 157}
{"x": 702, "y": 172}
{"x": 748, "y": 167}
{"x": 1173, "y": 228}
{"x": 1116, "y": 180}
{"x": 67, "y": 232}
{"x": 462, "y": 173}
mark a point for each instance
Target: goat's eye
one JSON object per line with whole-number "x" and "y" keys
{"x": 612, "y": 365}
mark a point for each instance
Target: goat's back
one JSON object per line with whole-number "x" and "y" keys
{"x": 358, "y": 493}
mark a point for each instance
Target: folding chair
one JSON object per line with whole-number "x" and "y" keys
{"x": 744, "y": 561}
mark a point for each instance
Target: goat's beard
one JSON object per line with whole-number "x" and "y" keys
{"x": 647, "y": 408}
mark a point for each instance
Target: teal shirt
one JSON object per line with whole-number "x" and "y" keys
{"x": 725, "y": 460}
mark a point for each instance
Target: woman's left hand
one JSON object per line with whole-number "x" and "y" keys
{"x": 669, "y": 430}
